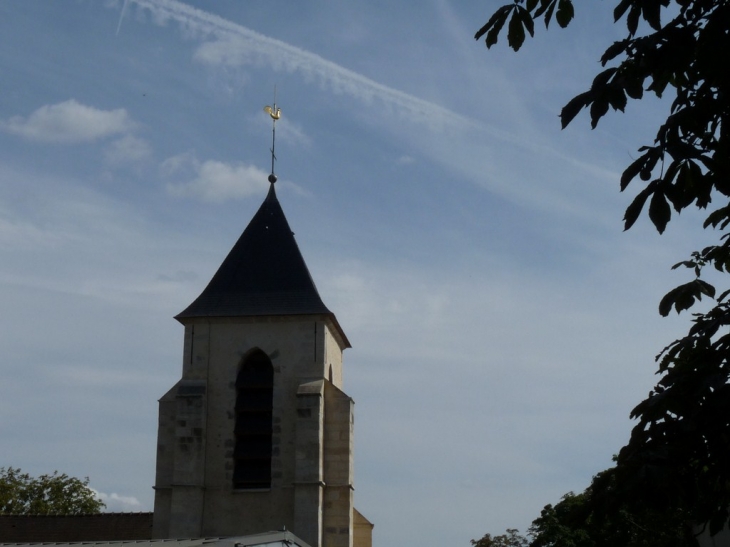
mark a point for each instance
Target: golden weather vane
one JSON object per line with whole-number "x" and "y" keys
{"x": 275, "y": 114}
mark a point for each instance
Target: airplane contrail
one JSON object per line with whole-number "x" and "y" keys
{"x": 234, "y": 44}
{"x": 121, "y": 16}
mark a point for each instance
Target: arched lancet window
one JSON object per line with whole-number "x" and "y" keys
{"x": 253, "y": 430}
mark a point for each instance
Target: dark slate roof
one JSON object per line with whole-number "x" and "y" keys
{"x": 66, "y": 528}
{"x": 264, "y": 274}
{"x": 117, "y": 530}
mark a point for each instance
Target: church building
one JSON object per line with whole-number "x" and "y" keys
{"x": 257, "y": 435}
{"x": 255, "y": 441}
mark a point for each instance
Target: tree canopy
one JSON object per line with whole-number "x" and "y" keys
{"x": 575, "y": 521}
{"x": 678, "y": 457}
{"x": 511, "y": 538}
{"x": 21, "y": 494}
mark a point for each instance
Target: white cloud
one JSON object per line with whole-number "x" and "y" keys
{"x": 69, "y": 122}
{"x": 214, "y": 181}
{"x": 293, "y": 133}
{"x": 17, "y": 233}
{"x": 116, "y": 503}
{"x": 128, "y": 149}
{"x": 180, "y": 164}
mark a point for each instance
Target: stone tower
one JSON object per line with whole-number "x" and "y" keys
{"x": 257, "y": 435}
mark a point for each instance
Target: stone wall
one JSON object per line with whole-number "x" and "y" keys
{"x": 196, "y": 431}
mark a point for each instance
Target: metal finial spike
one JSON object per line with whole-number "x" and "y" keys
{"x": 275, "y": 114}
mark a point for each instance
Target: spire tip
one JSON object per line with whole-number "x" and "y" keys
{"x": 275, "y": 114}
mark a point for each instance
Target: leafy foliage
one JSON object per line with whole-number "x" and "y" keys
{"x": 511, "y": 539}
{"x": 577, "y": 521}
{"x": 57, "y": 493}
{"x": 678, "y": 457}
{"x": 582, "y": 520}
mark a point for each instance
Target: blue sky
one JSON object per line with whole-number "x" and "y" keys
{"x": 503, "y": 325}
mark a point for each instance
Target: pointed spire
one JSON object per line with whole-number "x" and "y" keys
{"x": 264, "y": 274}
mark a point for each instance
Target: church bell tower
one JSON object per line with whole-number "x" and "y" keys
{"x": 257, "y": 435}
